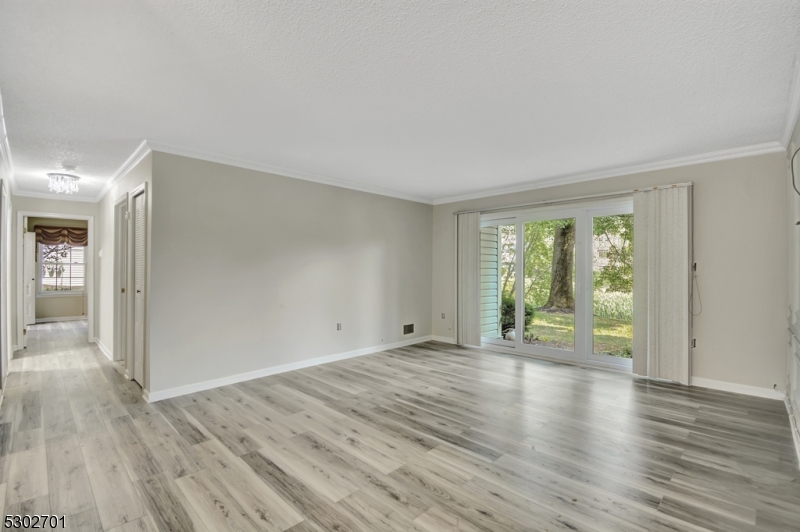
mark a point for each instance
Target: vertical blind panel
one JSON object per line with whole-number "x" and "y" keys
{"x": 468, "y": 275}
{"x": 662, "y": 284}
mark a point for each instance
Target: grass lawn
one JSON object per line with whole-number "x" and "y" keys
{"x": 556, "y": 329}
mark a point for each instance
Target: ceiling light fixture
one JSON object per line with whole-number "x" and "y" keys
{"x": 63, "y": 183}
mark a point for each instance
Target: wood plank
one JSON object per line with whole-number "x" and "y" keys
{"x": 115, "y": 496}
{"x": 67, "y": 477}
{"x": 167, "y": 506}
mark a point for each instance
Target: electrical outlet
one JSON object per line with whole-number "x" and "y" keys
{"x": 442, "y": 315}
{"x": 338, "y": 326}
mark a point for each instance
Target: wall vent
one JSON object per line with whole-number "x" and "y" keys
{"x": 408, "y": 329}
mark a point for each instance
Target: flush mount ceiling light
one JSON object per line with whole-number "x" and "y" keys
{"x": 63, "y": 183}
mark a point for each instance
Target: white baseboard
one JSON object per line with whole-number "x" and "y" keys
{"x": 793, "y": 422}
{"x": 445, "y": 339}
{"x": 106, "y": 351}
{"x": 14, "y": 349}
{"x": 65, "y": 318}
{"x": 745, "y": 389}
{"x": 152, "y": 397}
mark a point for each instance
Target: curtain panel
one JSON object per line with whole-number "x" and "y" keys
{"x": 50, "y": 236}
{"x": 662, "y": 258}
{"x": 468, "y": 274}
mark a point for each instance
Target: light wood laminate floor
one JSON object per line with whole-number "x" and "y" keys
{"x": 424, "y": 438}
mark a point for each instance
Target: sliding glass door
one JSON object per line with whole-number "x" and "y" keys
{"x": 559, "y": 282}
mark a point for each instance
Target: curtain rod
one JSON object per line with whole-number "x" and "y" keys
{"x": 574, "y": 198}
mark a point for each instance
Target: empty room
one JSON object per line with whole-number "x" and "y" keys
{"x": 400, "y": 266}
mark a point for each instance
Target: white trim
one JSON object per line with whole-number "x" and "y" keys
{"x": 54, "y": 196}
{"x": 135, "y": 158}
{"x": 793, "y": 426}
{"x": 722, "y": 155}
{"x": 152, "y": 397}
{"x": 61, "y": 293}
{"x": 734, "y": 387}
{"x": 147, "y": 147}
{"x": 569, "y": 361}
{"x": 794, "y": 107}
{"x": 14, "y": 349}
{"x": 104, "y": 349}
{"x": 284, "y": 172}
{"x": 60, "y": 318}
{"x": 443, "y": 339}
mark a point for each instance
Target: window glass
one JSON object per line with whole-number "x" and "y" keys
{"x": 62, "y": 268}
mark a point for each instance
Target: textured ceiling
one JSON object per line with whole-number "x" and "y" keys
{"x": 424, "y": 98}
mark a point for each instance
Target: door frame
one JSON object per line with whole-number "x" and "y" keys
{"x": 120, "y": 347}
{"x": 130, "y": 301}
{"x": 583, "y": 213}
{"x": 90, "y": 264}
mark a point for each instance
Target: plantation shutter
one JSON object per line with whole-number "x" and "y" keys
{"x": 662, "y": 300}
{"x": 469, "y": 277}
{"x": 490, "y": 282}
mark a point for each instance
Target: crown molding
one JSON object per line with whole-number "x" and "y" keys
{"x": 138, "y": 154}
{"x": 260, "y": 167}
{"x": 794, "y": 107}
{"x": 52, "y": 196}
{"x": 722, "y": 155}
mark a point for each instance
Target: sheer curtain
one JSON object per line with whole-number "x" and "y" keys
{"x": 662, "y": 262}
{"x": 469, "y": 281}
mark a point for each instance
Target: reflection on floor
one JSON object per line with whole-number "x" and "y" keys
{"x": 424, "y": 438}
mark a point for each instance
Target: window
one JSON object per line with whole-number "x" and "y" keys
{"x": 558, "y": 281}
{"x": 62, "y": 269}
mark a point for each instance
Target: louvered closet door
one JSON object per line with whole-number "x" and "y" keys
{"x": 29, "y": 276}
{"x": 139, "y": 207}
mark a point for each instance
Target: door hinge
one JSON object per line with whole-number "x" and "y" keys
{"x": 694, "y": 342}
{"x": 127, "y": 215}
{"x": 123, "y": 290}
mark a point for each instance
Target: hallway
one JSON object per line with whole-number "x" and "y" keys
{"x": 61, "y": 392}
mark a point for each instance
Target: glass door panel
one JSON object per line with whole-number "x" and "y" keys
{"x": 612, "y": 285}
{"x": 498, "y": 282}
{"x": 549, "y": 283}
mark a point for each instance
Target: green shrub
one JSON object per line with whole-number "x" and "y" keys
{"x": 507, "y": 314}
{"x": 614, "y": 305}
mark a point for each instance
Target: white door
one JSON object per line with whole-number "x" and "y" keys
{"x": 121, "y": 281}
{"x": 29, "y": 276}
{"x": 138, "y": 285}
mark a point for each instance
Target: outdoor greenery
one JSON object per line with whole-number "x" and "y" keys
{"x": 548, "y": 282}
{"x": 508, "y": 314}
{"x": 613, "y": 305}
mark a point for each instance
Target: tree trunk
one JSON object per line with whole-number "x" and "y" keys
{"x": 561, "y": 293}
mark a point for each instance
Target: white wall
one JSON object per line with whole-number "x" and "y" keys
{"x": 740, "y": 234}
{"x": 252, "y": 270}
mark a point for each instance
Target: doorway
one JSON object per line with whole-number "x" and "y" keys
{"x": 558, "y": 282}
{"x": 139, "y": 289}
{"x": 121, "y": 280}
{"x": 77, "y": 266}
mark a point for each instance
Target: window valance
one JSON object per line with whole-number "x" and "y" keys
{"x": 74, "y": 236}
